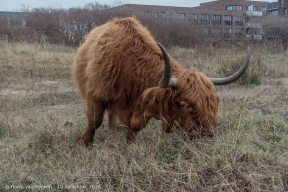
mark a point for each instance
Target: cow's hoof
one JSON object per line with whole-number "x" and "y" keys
{"x": 82, "y": 143}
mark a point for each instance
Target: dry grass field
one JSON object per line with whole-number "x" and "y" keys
{"x": 42, "y": 118}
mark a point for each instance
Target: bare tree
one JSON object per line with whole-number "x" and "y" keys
{"x": 25, "y": 8}
{"x": 96, "y": 6}
{"x": 276, "y": 29}
{"x": 116, "y": 3}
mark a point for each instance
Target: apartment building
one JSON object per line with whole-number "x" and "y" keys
{"x": 230, "y": 20}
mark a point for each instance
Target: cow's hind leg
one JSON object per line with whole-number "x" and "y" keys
{"x": 94, "y": 113}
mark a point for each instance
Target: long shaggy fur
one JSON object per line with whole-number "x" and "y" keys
{"x": 117, "y": 69}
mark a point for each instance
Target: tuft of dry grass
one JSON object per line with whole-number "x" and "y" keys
{"x": 42, "y": 117}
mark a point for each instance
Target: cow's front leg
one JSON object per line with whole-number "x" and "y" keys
{"x": 166, "y": 127}
{"x": 137, "y": 123}
{"x": 131, "y": 135}
{"x": 94, "y": 113}
{"x": 112, "y": 121}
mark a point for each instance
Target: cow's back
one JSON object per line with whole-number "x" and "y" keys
{"x": 86, "y": 56}
{"x": 121, "y": 53}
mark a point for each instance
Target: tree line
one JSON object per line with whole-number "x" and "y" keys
{"x": 69, "y": 27}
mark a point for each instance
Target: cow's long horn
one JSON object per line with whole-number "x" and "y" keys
{"x": 166, "y": 80}
{"x": 235, "y": 76}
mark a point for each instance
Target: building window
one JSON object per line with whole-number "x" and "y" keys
{"x": 254, "y": 33}
{"x": 163, "y": 15}
{"x": 148, "y": 14}
{"x": 227, "y": 32}
{"x": 216, "y": 32}
{"x": 264, "y": 9}
{"x": 227, "y": 20}
{"x": 282, "y": 3}
{"x": 273, "y": 5}
{"x": 193, "y": 18}
{"x": 252, "y": 8}
{"x": 204, "y": 19}
{"x": 216, "y": 19}
{"x": 285, "y": 12}
{"x": 205, "y": 32}
{"x": 250, "y": 32}
{"x": 23, "y": 23}
{"x": 234, "y": 7}
{"x": 238, "y": 32}
{"x": 273, "y": 12}
{"x": 180, "y": 16}
{"x": 238, "y": 20}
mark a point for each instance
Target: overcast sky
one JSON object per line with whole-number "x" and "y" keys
{"x": 17, "y": 5}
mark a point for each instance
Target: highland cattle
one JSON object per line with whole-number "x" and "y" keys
{"x": 117, "y": 69}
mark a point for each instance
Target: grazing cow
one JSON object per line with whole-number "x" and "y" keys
{"x": 118, "y": 69}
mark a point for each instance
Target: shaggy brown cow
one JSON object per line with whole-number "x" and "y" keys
{"x": 117, "y": 69}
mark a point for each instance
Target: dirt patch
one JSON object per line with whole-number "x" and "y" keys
{"x": 60, "y": 88}
{"x": 49, "y": 83}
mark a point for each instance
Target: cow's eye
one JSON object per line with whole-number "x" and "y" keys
{"x": 185, "y": 105}
{"x": 188, "y": 108}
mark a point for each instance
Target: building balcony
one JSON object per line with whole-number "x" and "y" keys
{"x": 272, "y": 9}
{"x": 254, "y": 13}
{"x": 253, "y": 25}
{"x": 258, "y": 37}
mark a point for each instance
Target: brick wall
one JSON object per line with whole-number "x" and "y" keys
{"x": 282, "y": 5}
{"x": 211, "y": 16}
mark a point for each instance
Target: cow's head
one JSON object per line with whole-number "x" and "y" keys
{"x": 190, "y": 102}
